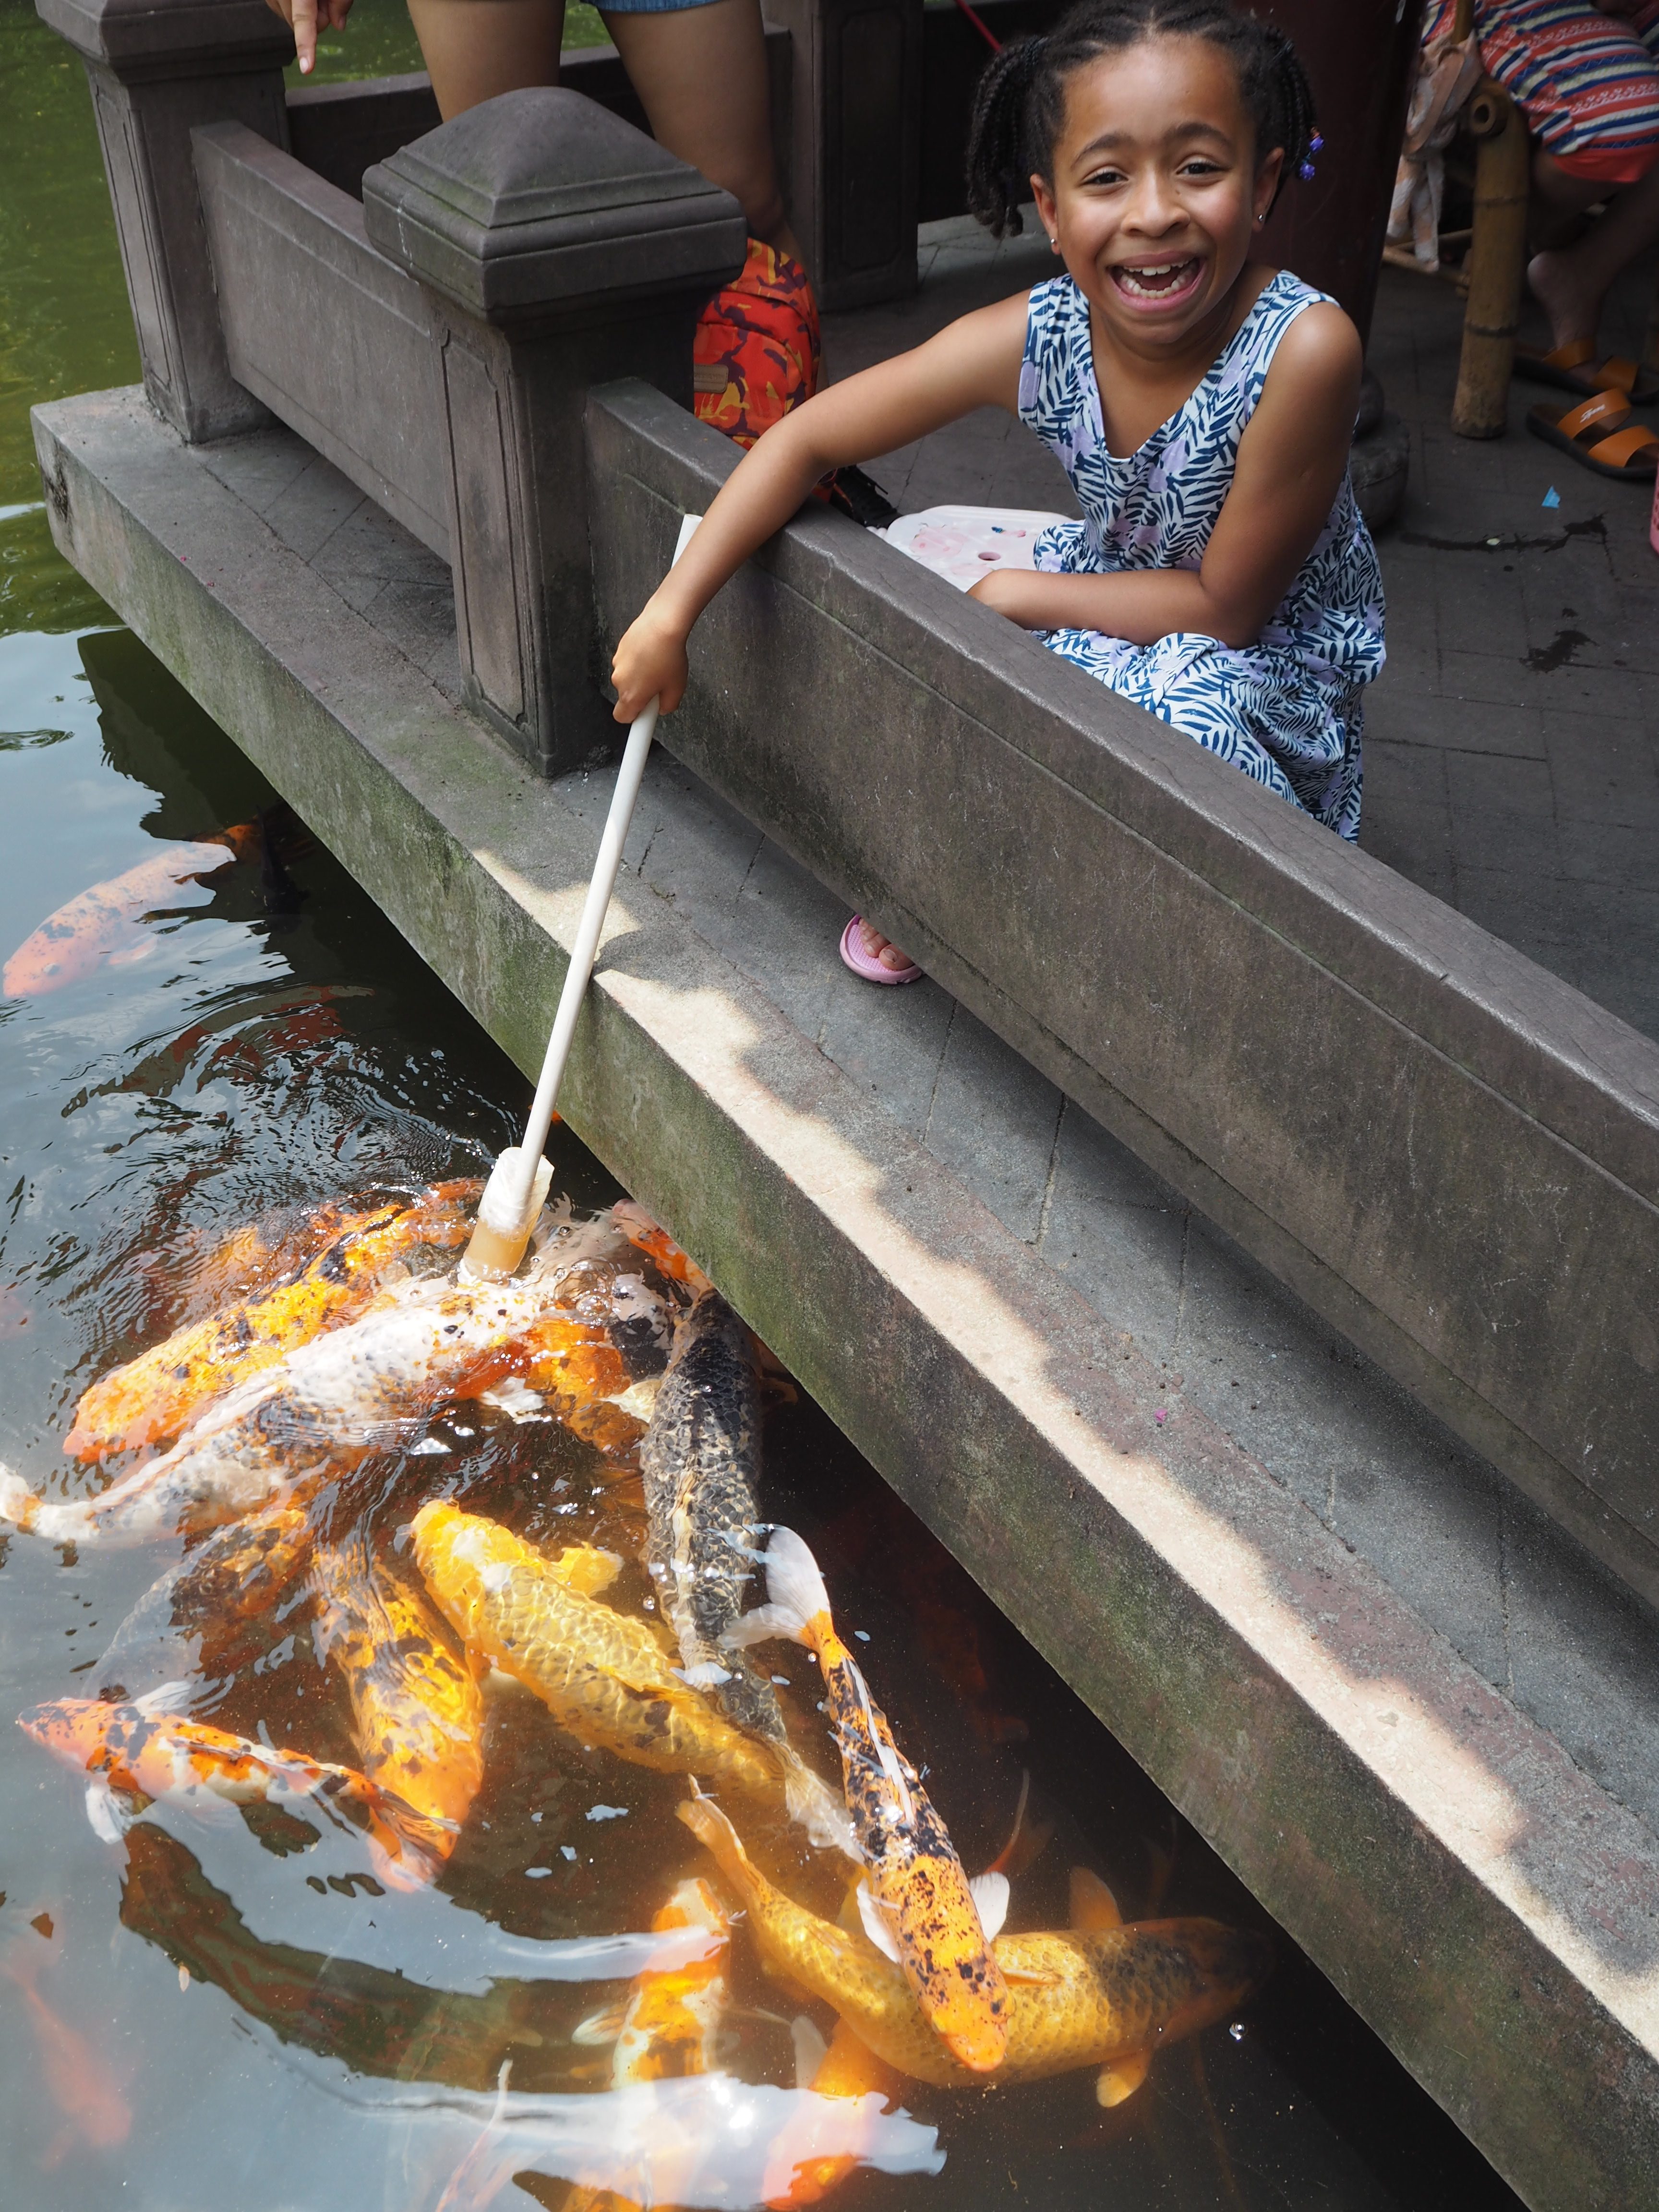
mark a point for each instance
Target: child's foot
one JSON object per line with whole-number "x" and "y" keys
{"x": 873, "y": 957}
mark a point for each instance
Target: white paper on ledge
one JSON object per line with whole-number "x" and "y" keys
{"x": 963, "y": 543}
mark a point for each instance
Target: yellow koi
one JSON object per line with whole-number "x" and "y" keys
{"x": 602, "y": 1674}
{"x": 1096, "y": 1998}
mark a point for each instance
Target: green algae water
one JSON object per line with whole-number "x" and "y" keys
{"x": 201, "y": 2009}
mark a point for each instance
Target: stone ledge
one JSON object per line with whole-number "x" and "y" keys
{"x": 1484, "y": 1904}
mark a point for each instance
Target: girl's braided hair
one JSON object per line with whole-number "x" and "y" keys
{"x": 1020, "y": 105}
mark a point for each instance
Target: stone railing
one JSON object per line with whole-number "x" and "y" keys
{"x": 1451, "y": 1154}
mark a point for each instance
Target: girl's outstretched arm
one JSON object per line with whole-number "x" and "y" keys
{"x": 1291, "y": 462}
{"x": 972, "y": 363}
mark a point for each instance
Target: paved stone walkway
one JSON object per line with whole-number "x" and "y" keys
{"x": 1512, "y": 744}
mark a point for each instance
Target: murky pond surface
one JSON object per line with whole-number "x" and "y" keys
{"x": 199, "y": 2009}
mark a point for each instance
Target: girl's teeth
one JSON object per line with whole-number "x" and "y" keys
{"x": 1131, "y": 279}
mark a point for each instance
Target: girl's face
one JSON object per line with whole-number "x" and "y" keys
{"x": 1156, "y": 189}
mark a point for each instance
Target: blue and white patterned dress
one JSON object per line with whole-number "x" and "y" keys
{"x": 1286, "y": 709}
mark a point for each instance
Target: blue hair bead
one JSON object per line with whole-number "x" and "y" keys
{"x": 1316, "y": 144}
{"x": 1307, "y": 173}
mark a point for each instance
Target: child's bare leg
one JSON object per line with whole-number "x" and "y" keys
{"x": 474, "y": 48}
{"x": 1571, "y": 283}
{"x": 700, "y": 75}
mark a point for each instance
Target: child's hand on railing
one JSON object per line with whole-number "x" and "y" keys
{"x": 649, "y": 661}
{"x": 305, "y": 18}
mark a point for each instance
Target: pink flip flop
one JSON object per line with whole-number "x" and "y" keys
{"x": 871, "y": 970}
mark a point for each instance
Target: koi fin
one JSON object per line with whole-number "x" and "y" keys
{"x": 810, "y": 2048}
{"x": 707, "y": 1675}
{"x": 18, "y": 1502}
{"x": 759, "y": 1626}
{"x": 876, "y": 1925}
{"x": 599, "y": 2029}
{"x": 107, "y": 1818}
{"x": 165, "y": 1698}
{"x": 1093, "y": 1906}
{"x": 587, "y": 1567}
{"x": 794, "y": 1586}
{"x": 1122, "y": 2078}
{"x": 815, "y": 1805}
{"x": 1037, "y": 1977}
{"x": 990, "y": 1894}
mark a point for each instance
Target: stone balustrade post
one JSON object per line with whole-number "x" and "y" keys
{"x": 157, "y": 69}
{"x": 558, "y": 248}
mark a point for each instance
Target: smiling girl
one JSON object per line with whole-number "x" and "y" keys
{"x": 1201, "y": 403}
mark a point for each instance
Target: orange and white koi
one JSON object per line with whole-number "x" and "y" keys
{"x": 148, "y": 1750}
{"x": 363, "y": 1387}
{"x": 655, "y": 1241}
{"x": 919, "y": 1906}
{"x": 417, "y": 1713}
{"x": 159, "y": 1394}
{"x": 669, "y": 2029}
{"x": 1099, "y": 1998}
{"x": 106, "y": 922}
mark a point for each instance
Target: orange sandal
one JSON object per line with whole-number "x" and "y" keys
{"x": 1595, "y": 435}
{"x": 1573, "y": 369}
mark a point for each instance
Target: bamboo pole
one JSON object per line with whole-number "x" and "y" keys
{"x": 1497, "y": 262}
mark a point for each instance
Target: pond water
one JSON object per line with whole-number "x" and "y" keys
{"x": 196, "y": 2011}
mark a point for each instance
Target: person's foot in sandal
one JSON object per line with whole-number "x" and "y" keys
{"x": 871, "y": 956}
{"x": 1574, "y": 367}
{"x": 1599, "y": 435}
{"x": 1559, "y": 283}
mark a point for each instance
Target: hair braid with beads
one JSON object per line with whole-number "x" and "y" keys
{"x": 1020, "y": 105}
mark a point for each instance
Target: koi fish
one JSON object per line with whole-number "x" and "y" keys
{"x": 417, "y": 1713}
{"x": 95, "y": 2111}
{"x": 651, "y": 1238}
{"x": 148, "y": 1750}
{"x": 700, "y": 1457}
{"x": 160, "y": 1392}
{"x": 602, "y": 1674}
{"x": 106, "y": 922}
{"x": 363, "y": 1387}
{"x": 1096, "y": 1998}
{"x": 187, "y": 1622}
{"x": 668, "y": 2029}
{"x": 919, "y": 1907}
{"x": 809, "y": 2158}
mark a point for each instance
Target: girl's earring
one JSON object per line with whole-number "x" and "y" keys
{"x": 1054, "y": 246}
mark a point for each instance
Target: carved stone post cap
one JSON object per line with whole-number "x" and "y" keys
{"x": 541, "y": 199}
{"x": 149, "y": 39}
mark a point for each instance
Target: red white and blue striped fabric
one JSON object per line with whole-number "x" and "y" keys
{"x": 1588, "y": 83}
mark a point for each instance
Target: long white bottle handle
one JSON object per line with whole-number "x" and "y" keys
{"x": 509, "y": 1206}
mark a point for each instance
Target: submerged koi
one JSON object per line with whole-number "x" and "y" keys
{"x": 817, "y": 2151}
{"x": 417, "y": 1714}
{"x": 700, "y": 1459}
{"x": 188, "y": 1620}
{"x": 601, "y": 1673}
{"x": 160, "y": 1392}
{"x": 95, "y": 2111}
{"x": 668, "y": 2029}
{"x": 1096, "y": 1998}
{"x": 106, "y": 922}
{"x": 148, "y": 1750}
{"x": 919, "y": 1906}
